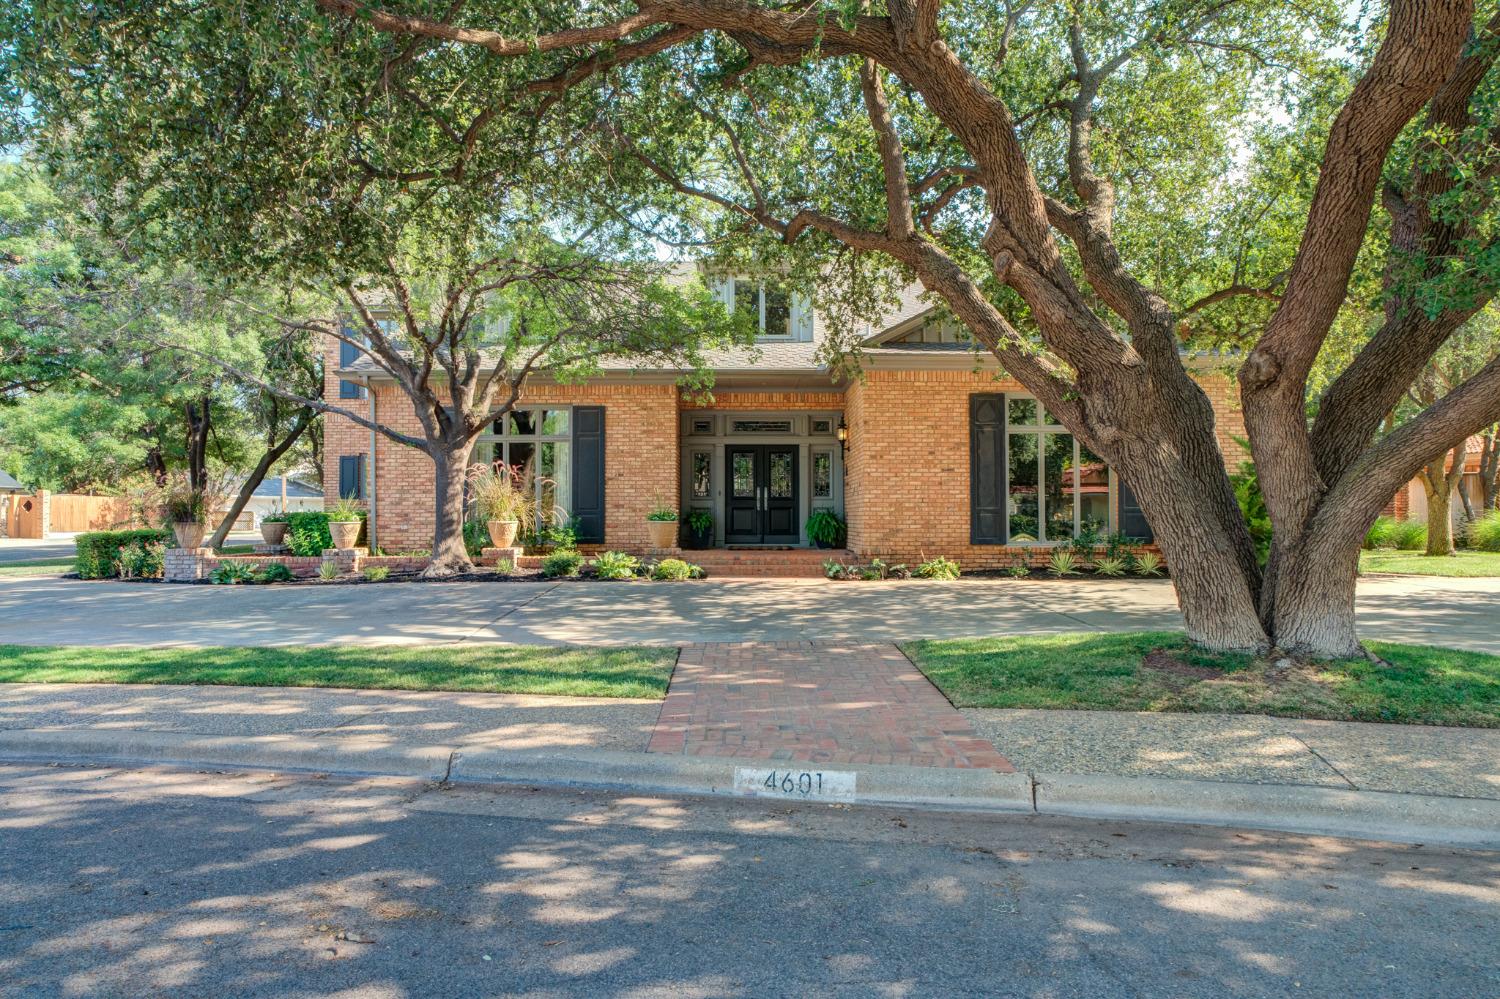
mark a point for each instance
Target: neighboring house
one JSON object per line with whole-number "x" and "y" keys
{"x": 1410, "y": 501}
{"x": 9, "y": 485}
{"x": 277, "y": 494}
{"x": 931, "y": 452}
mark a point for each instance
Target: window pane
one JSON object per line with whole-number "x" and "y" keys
{"x": 1057, "y": 482}
{"x": 778, "y": 311}
{"x": 822, "y": 475}
{"x": 702, "y": 471}
{"x": 781, "y": 475}
{"x": 744, "y": 475}
{"x": 484, "y": 453}
{"x": 1093, "y": 491}
{"x": 555, "y": 422}
{"x": 1022, "y": 412}
{"x": 523, "y": 422}
{"x": 555, "y": 487}
{"x": 523, "y": 460}
{"x": 747, "y": 301}
{"x": 1022, "y": 498}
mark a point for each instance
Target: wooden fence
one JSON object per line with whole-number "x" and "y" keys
{"x": 44, "y": 513}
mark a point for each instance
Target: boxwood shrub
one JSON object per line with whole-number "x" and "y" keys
{"x": 99, "y": 551}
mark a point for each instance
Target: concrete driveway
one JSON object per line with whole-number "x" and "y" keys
{"x": 1459, "y": 613}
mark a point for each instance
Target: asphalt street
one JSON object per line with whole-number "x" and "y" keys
{"x": 120, "y": 882}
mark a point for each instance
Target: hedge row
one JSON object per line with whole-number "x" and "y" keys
{"x": 99, "y": 551}
{"x": 307, "y": 533}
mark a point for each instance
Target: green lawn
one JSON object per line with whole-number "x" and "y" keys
{"x": 1159, "y": 671}
{"x": 1463, "y": 563}
{"x": 37, "y": 567}
{"x": 500, "y": 669}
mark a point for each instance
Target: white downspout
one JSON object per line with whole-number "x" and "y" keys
{"x": 370, "y": 522}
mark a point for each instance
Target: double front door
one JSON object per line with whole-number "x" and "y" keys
{"x": 761, "y": 498}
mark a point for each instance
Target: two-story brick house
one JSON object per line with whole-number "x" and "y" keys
{"x": 929, "y": 450}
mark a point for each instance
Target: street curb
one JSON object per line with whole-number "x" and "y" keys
{"x": 1407, "y": 818}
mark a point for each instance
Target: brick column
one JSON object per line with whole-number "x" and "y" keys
{"x": 187, "y": 565}
{"x": 347, "y": 559}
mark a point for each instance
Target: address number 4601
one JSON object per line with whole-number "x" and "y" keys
{"x": 821, "y": 784}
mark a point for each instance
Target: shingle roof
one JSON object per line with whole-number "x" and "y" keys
{"x": 9, "y": 484}
{"x": 270, "y": 487}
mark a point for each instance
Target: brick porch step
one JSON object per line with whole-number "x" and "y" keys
{"x": 793, "y": 562}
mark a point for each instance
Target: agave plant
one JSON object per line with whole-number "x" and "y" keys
{"x": 1063, "y": 563}
{"x": 1148, "y": 564}
{"x": 1110, "y": 566}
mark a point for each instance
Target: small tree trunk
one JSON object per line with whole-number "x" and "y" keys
{"x": 1438, "y": 485}
{"x": 257, "y": 476}
{"x": 449, "y": 556}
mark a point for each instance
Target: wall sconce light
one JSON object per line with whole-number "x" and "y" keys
{"x": 843, "y": 433}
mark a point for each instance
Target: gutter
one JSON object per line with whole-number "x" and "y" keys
{"x": 370, "y": 520}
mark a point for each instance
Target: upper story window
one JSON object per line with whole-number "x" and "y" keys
{"x": 768, "y": 305}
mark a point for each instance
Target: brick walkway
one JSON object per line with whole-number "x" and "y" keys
{"x": 815, "y": 702}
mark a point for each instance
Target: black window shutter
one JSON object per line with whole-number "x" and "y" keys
{"x": 352, "y": 476}
{"x": 987, "y": 524}
{"x": 588, "y": 472}
{"x": 348, "y": 354}
{"x": 1133, "y": 523}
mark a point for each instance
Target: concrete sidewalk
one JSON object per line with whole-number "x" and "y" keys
{"x": 1459, "y": 613}
{"x": 1406, "y": 783}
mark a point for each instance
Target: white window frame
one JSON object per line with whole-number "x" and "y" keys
{"x": 792, "y": 305}
{"x": 1040, "y": 430}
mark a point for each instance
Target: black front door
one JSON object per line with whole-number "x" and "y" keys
{"x": 761, "y": 498}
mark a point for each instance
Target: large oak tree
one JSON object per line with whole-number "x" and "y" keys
{"x": 1054, "y": 175}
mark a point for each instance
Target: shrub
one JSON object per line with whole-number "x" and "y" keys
{"x": 307, "y": 533}
{"x": 1382, "y": 533}
{"x": 276, "y": 573}
{"x": 476, "y": 538}
{"x": 1063, "y": 563}
{"x": 1019, "y": 571}
{"x": 142, "y": 561}
{"x": 564, "y": 562}
{"x": 616, "y": 565}
{"x": 1110, "y": 566}
{"x": 938, "y": 568}
{"x": 98, "y": 552}
{"x": 835, "y": 570}
{"x": 1252, "y": 504}
{"x": 1410, "y": 535}
{"x": 1484, "y": 532}
{"x": 504, "y": 566}
{"x": 700, "y": 522}
{"x": 232, "y": 574}
{"x": 672, "y": 569}
{"x": 328, "y": 571}
{"x": 826, "y": 527}
{"x": 1148, "y": 564}
{"x": 377, "y": 573}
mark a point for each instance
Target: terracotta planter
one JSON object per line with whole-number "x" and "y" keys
{"x": 189, "y": 534}
{"x": 273, "y": 531}
{"x": 345, "y": 533}
{"x": 502, "y": 532}
{"x": 663, "y": 533}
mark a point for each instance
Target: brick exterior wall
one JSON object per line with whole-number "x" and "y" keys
{"x": 640, "y": 456}
{"x": 906, "y": 466}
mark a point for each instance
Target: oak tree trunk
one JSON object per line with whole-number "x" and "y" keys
{"x": 1438, "y": 485}
{"x": 257, "y": 475}
{"x": 449, "y": 556}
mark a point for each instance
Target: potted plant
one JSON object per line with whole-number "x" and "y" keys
{"x": 503, "y": 499}
{"x": 186, "y": 511}
{"x": 700, "y": 525}
{"x": 826, "y": 529}
{"x": 273, "y": 528}
{"x": 662, "y": 523}
{"x": 343, "y": 523}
